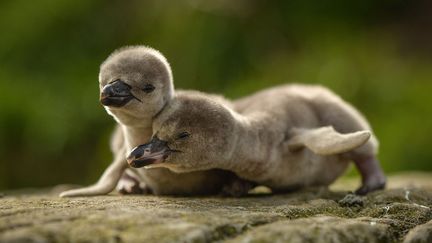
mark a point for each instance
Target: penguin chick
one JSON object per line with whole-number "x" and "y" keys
{"x": 135, "y": 85}
{"x": 286, "y": 137}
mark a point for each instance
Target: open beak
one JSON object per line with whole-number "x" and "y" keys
{"x": 116, "y": 94}
{"x": 156, "y": 151}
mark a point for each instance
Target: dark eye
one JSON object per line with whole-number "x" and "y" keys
{"x": 148, "y": 88}
{"x": 183, "y": 135}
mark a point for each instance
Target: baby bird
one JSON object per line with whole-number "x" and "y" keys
{"x": 286, "y": 137}
{"x": 136, "y": 84}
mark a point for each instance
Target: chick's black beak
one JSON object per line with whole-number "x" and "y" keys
{"x": 116, "y": 94}
{"x": 156, "y": 151}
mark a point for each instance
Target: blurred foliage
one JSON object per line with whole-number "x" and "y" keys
{"x": 375, "y": 54}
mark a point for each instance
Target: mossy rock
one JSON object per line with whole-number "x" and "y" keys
{"x": 420, "y": 234}
{"x": 311, "y": 215}
{"x": 320, "y": 229}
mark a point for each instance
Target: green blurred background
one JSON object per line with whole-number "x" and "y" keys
{"x": 375, "y": 54}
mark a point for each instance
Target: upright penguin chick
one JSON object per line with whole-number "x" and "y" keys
{"x": 285, "y": 137}
{"x": 135, "y": 85}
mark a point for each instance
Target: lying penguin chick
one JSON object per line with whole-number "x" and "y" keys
{"x": 136, "y": 84}
{"x": 286, "y": 137}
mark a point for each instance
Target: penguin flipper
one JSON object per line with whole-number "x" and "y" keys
{"x": 326, "y": 141}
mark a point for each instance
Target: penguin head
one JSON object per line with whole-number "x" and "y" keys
{"x": 135, "y": 81}
{"x": 194, "y": 133}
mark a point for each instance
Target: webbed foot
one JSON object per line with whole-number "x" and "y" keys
{"x": 373, "y": 177}
{"x": 237, "y": 188}
{"x": 129, "y": 184}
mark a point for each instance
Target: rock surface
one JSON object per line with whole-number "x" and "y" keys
{"x": 402, "y": 213}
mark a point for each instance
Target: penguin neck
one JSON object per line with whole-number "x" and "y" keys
{"x": 137, "y": 129}
{"x": 251, "y": 151}
{"x": 136, "y": 135}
